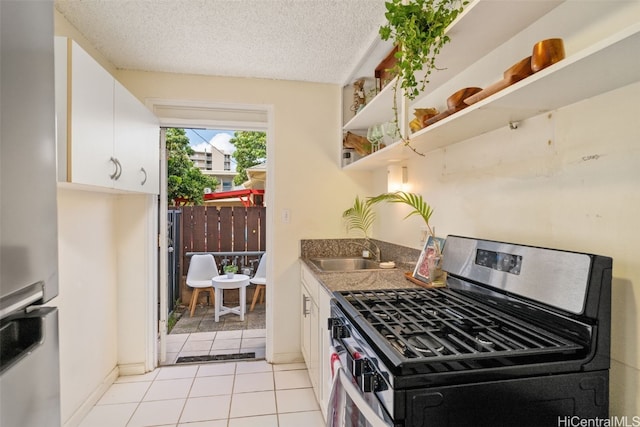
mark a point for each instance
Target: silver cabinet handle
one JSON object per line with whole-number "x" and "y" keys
{"x": 119, "y": 169}
{"x": 145, "y": 176}
{"x": 115, "y": 172}
{"x": 305, "y": 310}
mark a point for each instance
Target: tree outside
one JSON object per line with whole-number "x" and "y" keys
{"x": 251, "y": 150}
{"x": 185, "y": 183}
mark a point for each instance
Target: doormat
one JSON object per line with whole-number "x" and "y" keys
{"x": 216, "y": 357}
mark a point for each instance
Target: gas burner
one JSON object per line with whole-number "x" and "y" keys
{"x": 484, "y": 341}
{"x": 385, "y": 317}
{"x": 421, "y": 343}
{"x": 429, "y": 312}
{"x": 466, "y": 325}
{"x": 389, "y": 316}
{"x": 399, "y": 346}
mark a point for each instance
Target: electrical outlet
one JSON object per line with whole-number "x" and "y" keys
{"x": 424, "y": 232}
{"x": 286, "y": 216}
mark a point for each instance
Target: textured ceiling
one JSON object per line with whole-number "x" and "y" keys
{"x": 306, "y": 40}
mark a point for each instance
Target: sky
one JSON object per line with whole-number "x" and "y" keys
{"x": 200, "y": 138}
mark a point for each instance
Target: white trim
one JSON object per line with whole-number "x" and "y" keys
{"x": 163, "y": 297}
{"x": 267, "y": 125}
{"x": 269, "y": 238}
{"x": 212, "y": 115}
{"x": 133, "y": 369}
{"x": 151, "y": 359}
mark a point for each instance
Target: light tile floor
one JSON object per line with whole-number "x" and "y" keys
{"x": 222, "y": 394}
{"x": 214, "y": 343}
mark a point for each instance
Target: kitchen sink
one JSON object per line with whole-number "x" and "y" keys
{"x": 344, "y": 264}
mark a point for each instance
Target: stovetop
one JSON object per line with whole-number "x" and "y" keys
{"x": 440, "y": 325}
{"x": 519, "y": 335}
{"x": 506, "y": 308}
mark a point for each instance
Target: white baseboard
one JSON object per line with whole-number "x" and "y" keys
{"x": 92, "y": 399}
{"x": 133, "y": 369}
{"x": 279, "y": 358}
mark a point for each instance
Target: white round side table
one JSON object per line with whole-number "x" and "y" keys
{"x": 240, "y": 282}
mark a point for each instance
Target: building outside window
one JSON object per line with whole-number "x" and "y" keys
{"x": 215, "y": 162}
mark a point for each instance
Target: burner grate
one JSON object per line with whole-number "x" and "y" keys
{"x": 439, "y": 325}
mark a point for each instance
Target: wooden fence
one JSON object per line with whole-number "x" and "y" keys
{"x": 219, "y": 229}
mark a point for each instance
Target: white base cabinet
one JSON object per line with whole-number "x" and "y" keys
{"x": 315, "y": 300}
{"x": 106, "y": 137}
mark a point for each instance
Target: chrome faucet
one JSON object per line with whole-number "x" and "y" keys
{"x": 376, "y": 251}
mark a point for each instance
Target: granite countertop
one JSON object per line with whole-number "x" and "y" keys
{"x": 363, "y": 279}
{"x": 405, "y": 259}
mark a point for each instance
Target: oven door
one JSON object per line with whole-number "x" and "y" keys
{"x": 348, "y": 405}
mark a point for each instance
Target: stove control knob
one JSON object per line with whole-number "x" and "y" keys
{"x": 338, "y": 329}
{"x": 372, "y": 381}
{"x": 359, "y": 367}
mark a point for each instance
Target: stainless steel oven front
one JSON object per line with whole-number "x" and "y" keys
{"x": 362, "y": 392}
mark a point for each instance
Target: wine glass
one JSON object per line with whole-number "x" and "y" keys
{"x": 375, "y": 135}
{"x": 391, "y": 132}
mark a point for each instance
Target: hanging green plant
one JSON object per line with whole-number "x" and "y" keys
{"x": 418, "y": 27}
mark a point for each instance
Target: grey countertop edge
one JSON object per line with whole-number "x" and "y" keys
{"x": 362, "y": 279}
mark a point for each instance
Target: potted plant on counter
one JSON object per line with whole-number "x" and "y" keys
{"x": 230, "y": 270}
{"x": 429, "y": 266}
{"x": 416, "y": 201}
{"x": 360, "y": 217}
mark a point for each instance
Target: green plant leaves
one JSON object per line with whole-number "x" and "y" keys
{"x": 418, "y": 27}
{"x": 416, "y": 201}
{"x": 360, "y": 217}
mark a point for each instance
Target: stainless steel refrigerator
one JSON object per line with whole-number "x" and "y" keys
{"x": 29, "y": 356}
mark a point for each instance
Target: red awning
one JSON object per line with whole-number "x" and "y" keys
{"x": 245, "y": 195}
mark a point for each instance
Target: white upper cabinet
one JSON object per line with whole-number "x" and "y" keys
{"x": 106, "y": 137}
{"x": 601, "y": 43}
{"x": 136, "y": 133}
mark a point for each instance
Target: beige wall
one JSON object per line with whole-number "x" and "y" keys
{"x": 87, "y": 299}
{"x": 135, "y": 218}
{"x": 304, "y": 177}
{"x": 569, "y": 180}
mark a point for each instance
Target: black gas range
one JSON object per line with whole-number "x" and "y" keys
{"x": 520, "y": 336}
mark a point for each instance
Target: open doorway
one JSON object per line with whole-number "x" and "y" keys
{"x": 228, "y": 223}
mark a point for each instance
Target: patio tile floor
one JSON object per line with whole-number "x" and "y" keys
{"x": 200, "y": 335}
{"x": 203, "y": 320}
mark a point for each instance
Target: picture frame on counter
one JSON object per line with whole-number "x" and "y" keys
{"x": 430, "y": 260}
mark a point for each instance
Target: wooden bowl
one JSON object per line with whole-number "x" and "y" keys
{"x": 545, "y": 53}
{"x": 456, "y": 101}
{"x": 513, "y": 74}
{"x": 519, "y": 70}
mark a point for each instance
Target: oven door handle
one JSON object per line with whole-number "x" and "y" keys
{"x": 343, "y": 383}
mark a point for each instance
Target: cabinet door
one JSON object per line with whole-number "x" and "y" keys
{"x": 314, "y": 351}
{"x": 324, "y": 312}
{"x": 310, "y": 345}
{"x": 312, "y": 328}
{"x": 136, "y": 143}
{"x": 90, "y": 148}
{"x": 305, "y": 326}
